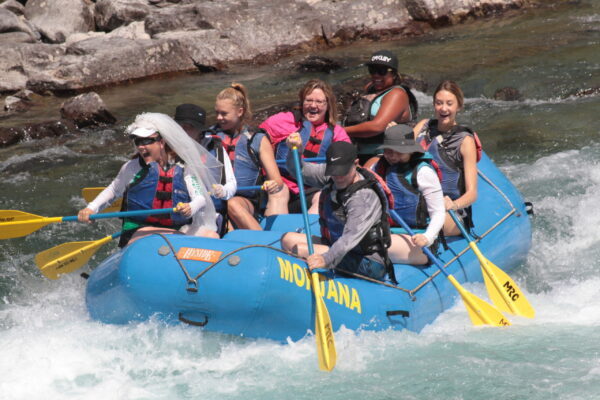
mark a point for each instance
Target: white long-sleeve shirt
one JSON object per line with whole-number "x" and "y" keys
{"x": 230, "y": 185}
{"x": 429, "y": 184}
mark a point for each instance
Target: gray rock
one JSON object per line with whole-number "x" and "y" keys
{"x": 318, "y": 64}
{"x": 149, "y": 38}
{"x": 13, "y": 103}
{"x": 57, "y": 19}
{"x": 507, "y": 94}
{"x": 184, "y": 18}
{"x": 14, "y": 6}
{"x": 14, "y": 135}
{"x": 10, "y": 22}
{"x": 111, "y": 14}
{"x": 86, "y": 110}
{"x": 16, "y": 37}
{"x": 451, "y": 11}
{"x": 104, "y": 60}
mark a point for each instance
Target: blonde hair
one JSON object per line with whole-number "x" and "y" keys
{"x": 331, "y": 114}
{"x": 238, "y": 94}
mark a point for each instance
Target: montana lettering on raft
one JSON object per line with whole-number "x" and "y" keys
{"x": 340, "y": 293}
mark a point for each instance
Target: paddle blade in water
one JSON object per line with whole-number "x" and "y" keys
{"x": 89, "y": 194}
{"x": 14, "y": 224}
{"x": 67, "y": 257}
{"x": 480, "y": 311}
{"x": 503, "y": 291}
{"x": 324, "y": 330}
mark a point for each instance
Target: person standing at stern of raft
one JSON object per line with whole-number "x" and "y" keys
{"x": 456, "y": 149}
{"x": 355, "y": 232}
{"x": 415, "y": 186}
{"x": 316, "y": 123}
{"x": 170, "y": 171}
{"x": 252, "y": 156}
{"x": 386, "y": 100}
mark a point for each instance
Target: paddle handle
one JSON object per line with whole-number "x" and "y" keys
{"x": 460, "y": 226}
{"x": 426, "y": 250}
{"x": 300, "y": 181}
{"x": 124, "y": 214}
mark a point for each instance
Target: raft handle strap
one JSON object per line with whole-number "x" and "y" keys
{"x": 192, "y": 283}
{"x": 403, "y": 313}
{"x": 191, "y": 322}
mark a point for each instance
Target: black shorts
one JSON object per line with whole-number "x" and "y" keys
{"x": 294, "y": 205}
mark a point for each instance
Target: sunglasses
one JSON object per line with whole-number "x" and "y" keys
{"x": 379, "y": 70}
{"x": 144, "y": 141}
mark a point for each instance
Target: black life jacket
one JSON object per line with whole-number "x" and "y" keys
{"x": 333, "y": 215}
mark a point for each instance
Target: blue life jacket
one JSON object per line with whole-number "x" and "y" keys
{"x": 243, "y": 151}
{"x": 401, "y": 179}
{"x": 315, "y": 144}
{"x": 155, "y": 188}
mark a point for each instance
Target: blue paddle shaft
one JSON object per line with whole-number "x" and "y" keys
{"x": 300, "y": 181}
{"x": 313, "y": 159}
{"x": 460, "y": 226}
{"x": 426, "y": 250}
{"x": 248, "y": 188}
{"x": 123, "y": 214}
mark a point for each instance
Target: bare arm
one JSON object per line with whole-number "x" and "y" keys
{"x": 267, "y": 159}
{"x": 469, "y": 155}
{"x": 393, "y": 106}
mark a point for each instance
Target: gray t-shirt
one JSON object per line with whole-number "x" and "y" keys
{"x": 363, "y": 211}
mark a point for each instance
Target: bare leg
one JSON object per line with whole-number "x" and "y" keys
{"x": 404, "y": 251}
{"x": 241, "y": 212}
{"x": 450, "y": 228}
{"x": 278, "y": 202}
{"x": 151, "y": 230}
{"x": 296, "y": 243}
{"x": 314, "y": 205}
{"x": 209, "y": 234}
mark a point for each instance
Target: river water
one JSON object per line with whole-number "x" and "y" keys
{"x": 547, "y": 143}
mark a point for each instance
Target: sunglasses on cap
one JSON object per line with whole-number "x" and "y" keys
{"x": 144, "y": 141}
{"x": 379, "y": 69}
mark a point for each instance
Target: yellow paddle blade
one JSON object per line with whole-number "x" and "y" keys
{"x": 480, "y": 311}
{"x": 14, "y": 224}
{"x": 67, "y": 257}
{"x": 324, "y": 330}
{"x": 89, "y": 194}
{"x": 503, "y": 291}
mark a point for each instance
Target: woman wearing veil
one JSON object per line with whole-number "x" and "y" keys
{"x": 171, "y": 170}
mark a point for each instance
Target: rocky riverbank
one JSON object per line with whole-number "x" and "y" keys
{"x": 71, "y": 46}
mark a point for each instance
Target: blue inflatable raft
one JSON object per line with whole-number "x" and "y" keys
{"x": 246, "y": 285}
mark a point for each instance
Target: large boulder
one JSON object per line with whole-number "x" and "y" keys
{"x": 185, "y": 18}
{"x": 14, "y": 6}
{"x": 111, "y": 14}
{"x": 57, "y": 19}
{"x": 87, "y": 109}
{"x": 443, "y": 12}
{"x": 12, "y": 23}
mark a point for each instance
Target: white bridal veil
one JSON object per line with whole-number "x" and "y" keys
{"x": 198, "y": 162}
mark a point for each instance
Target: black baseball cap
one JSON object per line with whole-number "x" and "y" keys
{"x": 385, "y": 58}
{"x": 401, "y": 138}
{"x": 190, "y": 114}
{"x": 340, "y": 157}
